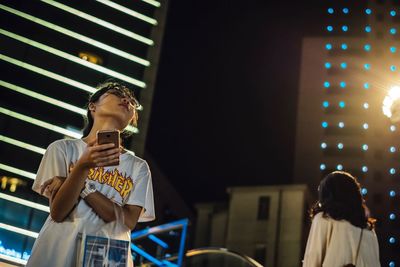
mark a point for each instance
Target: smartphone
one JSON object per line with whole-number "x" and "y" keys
{"x": 109, "y": 136}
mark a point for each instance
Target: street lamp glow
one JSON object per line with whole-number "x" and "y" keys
{"x": 391, "y": 104}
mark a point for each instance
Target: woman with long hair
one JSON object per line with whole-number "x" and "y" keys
{"x": 342, "y": 233}
{"x": 87, "y": 182}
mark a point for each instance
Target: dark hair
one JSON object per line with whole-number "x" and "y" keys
{"x": 339, "y": 197}
{"x": 102, "y": 89}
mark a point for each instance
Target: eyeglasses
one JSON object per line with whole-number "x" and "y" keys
{"x": 123, "y": 93}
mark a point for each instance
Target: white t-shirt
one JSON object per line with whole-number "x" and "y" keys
{"x": 334, "y": 243}
{"x": 129, "y": 183}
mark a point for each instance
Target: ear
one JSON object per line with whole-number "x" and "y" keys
{"x": 92, "y": 107}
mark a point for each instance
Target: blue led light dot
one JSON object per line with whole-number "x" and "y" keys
{"x": 392, "y": 240}
{"x": 392, "y": 216}
{"x": 343, "y": 65}
{"x": 368, "y": 28}
{"x": 392, "y": 193}
{"x": 339, "y": 167}
{"x": 392, "y": 128}
{"x": 367, "y": 47}
{"x": 392, "y": 13}
{"x": 328, "y": 65}
{"x": 345, "y": 10}
{"x": 344, "y": 46}
{"x": 364, "y": 169}
{"x": 325, "y": 104}
{"x": 392, "y": 264}
{"x": 342, "y": 104}
{"x": 330, "y": 10}
{"x": 365, "y": 105}
{"x": 327, "y": 84}
{"x": 328, "y": 46}
{"x": 393, "y": 49}
{"x": 365, "y": 147}
{"x": 324, "y": 124}
{"x": 322, "y": 167}
{"x": 342, "y": 84}
{"x": 341, "y": 124}
{"x": 393, "y": 68}
{"x": 340, "y": 146}
{"x": 366, "y": 85}
{"x": 365, "y": 126}
{"x": 345, "y": 28}
{"x": 329, "y": 28}
{"x": 367, "y": 66}
{"x": 324, "y": 145}
{"x": 392, "y": 149}
{"x": 393, "y": 31}
{"x": 364, "y": 191}
{"x": 368, "y": 11}
{"x": 392, "y": 171}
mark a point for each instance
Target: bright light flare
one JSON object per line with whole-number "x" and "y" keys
{"x": 391, "y": 104}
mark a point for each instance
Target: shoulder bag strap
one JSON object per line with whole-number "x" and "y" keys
{"x": 358, "y": 247}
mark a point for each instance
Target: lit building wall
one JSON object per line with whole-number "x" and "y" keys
{"x": 340, "y": 125}
{"x": 53, "y": 54}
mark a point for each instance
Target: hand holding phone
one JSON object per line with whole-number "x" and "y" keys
{"x": 109, "y": 136}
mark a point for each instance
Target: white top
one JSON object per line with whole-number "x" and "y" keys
{"x": 334, "y": 243}
{"x": 129, "y": 183}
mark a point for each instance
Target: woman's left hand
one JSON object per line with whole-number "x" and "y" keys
{"x": 51, "y": 187}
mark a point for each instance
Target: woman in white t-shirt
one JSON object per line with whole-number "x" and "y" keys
{"x": 341, "y": 232}
{"x": 86, "y": 182}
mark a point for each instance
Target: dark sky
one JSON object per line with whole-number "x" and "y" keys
{"x": 224, "y": 109}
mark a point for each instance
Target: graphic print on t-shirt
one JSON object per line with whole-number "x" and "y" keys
{"x": 123, "y": 184}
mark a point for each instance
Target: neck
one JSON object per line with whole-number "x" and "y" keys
{"x": 102, "y": 125}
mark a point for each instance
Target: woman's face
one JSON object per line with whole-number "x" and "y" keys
{"x": 116, "y": 104}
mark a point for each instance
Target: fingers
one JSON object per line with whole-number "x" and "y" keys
{"x": 111, "y": 159}
{"x": 102, "y": 147}
{"x": 45, "y": 185}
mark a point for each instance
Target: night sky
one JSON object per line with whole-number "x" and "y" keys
{"x": 224, "y": 109}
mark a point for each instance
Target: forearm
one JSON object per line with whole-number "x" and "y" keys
{"x": 104, "y": 208}
{"x": 68, "y": 194}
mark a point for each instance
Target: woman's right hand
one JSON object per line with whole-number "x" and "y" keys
{"x": 98, "y": 155}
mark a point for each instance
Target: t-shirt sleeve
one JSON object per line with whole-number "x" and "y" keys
{"x": 53, "y": 164}
{"x": 142, "y": 193}
{"x": 317, "y": 242}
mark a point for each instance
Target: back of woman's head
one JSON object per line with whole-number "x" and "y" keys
{"x": 339, "y": 197}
